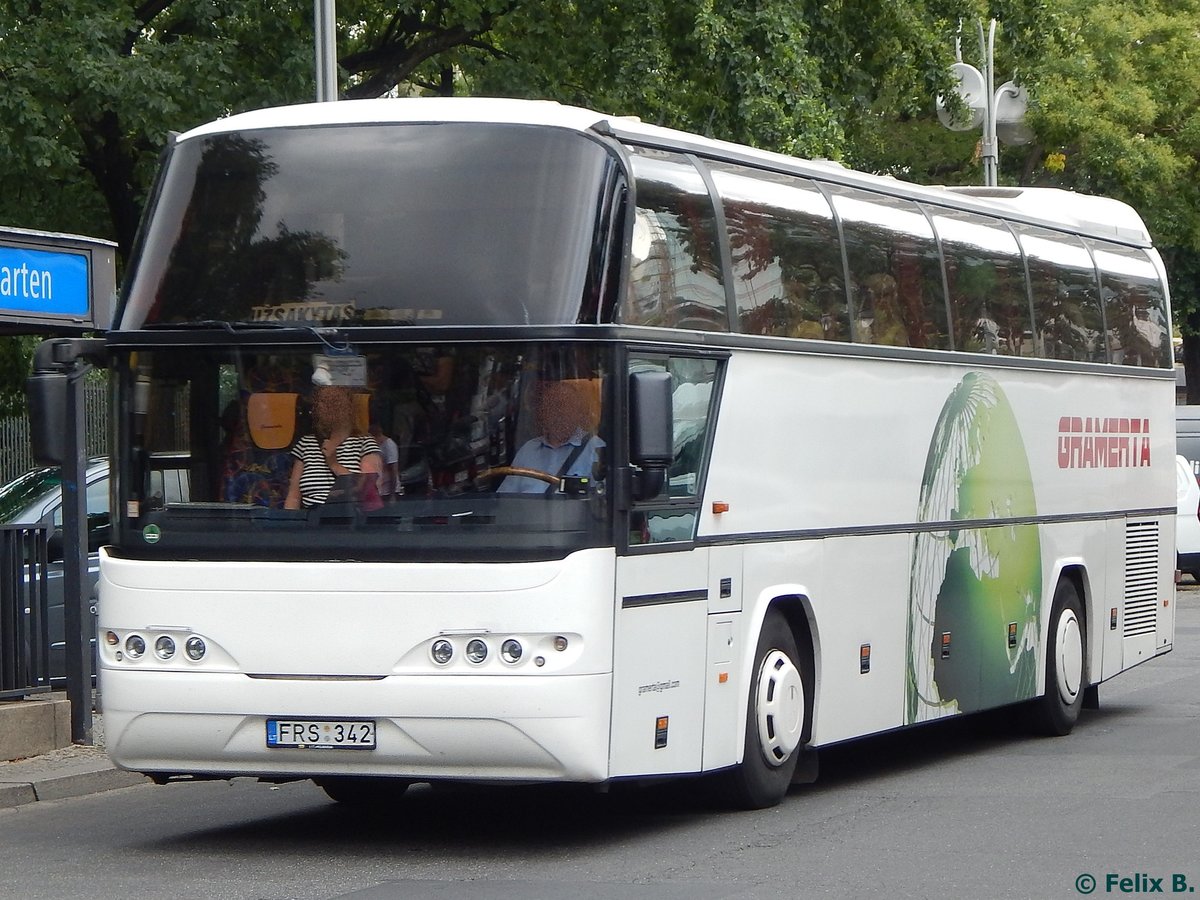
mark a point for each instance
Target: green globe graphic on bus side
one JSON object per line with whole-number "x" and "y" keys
{"x": 975, "y": 591}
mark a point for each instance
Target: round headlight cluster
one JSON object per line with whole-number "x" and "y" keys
{"x": 165, "y": 648}
{"x": 476, "y": 651}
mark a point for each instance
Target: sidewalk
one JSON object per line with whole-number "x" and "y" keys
{"x": 70, "y": 772}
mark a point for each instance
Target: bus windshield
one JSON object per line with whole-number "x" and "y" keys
{"x": 382, "y": 225}
{"x": 390, "y": 451}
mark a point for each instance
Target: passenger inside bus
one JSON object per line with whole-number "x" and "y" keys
{"x": 339, "y": 460}
{"x": 566, "y": 445}
{"x": 259, "y": 428}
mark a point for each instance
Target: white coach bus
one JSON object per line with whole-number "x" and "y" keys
{"x": 843, "y": 454}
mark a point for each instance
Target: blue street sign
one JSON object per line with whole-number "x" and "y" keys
{"x": 44, "y": 281}
{"x": 51, "y": 282}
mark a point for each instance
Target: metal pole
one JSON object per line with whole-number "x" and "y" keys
{"x": 988, "y": 151}
{"x": 77, "y": 617}
{"x": 325, "y": 22}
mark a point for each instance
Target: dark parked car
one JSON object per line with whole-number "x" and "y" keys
{"x": 36, "y": 497}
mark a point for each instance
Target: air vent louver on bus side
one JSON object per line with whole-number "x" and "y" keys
{"x": 1141, "y": 578}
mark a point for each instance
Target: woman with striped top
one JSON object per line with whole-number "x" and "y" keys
{"x": 337, "y": 448}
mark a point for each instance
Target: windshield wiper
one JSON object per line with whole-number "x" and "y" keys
{"x": 221, "y": 325}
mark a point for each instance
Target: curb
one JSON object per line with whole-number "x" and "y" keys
{"x": 33, "y": 780}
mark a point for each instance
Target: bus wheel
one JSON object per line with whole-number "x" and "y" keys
{"x": 1056, "y": 712}
{"x": 362, "y": 791}
{"x": 774, "y": 722}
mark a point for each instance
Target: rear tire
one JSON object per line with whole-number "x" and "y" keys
{"x": 1056, "y": 712}
{"x": 775, "y": 719}
{"x": 362, "y": 791}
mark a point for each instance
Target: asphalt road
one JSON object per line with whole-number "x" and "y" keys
{"x": 957, "y": 810}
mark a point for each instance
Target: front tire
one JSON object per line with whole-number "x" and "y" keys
{"x": 1056, "y": 712}
{"x": 775, "y": 719}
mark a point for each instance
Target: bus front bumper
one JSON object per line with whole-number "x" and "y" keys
{"x": 427, "y": 728}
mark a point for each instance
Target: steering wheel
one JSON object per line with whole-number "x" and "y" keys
{"x": 524, "y": 473}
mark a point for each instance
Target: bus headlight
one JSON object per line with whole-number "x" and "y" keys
{"x": 164, "y": 647}
{"x": 476, "y": 651}
{"x": 510, "y": 651}
{"x": 135, "y": 646}
{"x": 442, "y": 651}
{"x": 194, "y": 648}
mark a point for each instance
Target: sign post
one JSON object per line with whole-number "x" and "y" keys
{"x": 62, "y": 284}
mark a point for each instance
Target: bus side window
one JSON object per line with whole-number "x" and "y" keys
{"x": 894, "y": 270}
{"x": 787, "y": 261}
{"x": 1135, "y": 306}
{"x": 1068, "y": 322}
{"x": 675, "y": 278}
{"x": 986, "y": 279}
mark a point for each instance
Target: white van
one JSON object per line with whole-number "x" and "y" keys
{"x": 1187, "y": 518}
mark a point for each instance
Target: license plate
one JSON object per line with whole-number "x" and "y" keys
{"x": 321, "y": 734}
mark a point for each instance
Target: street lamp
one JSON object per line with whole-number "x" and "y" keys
{"x": 325, "y": 41}
{"x": 1000, "y": 111}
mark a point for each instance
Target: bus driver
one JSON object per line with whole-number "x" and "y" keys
{"x": 564, "y": 447}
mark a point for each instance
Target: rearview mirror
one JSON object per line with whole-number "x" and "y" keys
{"x": 651, "y": 431}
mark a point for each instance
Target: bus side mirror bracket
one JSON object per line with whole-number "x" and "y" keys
{"x": 651, "y": 437}
{"x": 57, "y": 363}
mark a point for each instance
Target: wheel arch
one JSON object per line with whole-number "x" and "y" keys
{"x": 1076, "y": 572}
{"x": 794, "y": 604}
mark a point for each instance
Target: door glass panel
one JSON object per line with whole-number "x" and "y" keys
{"x": 673, "y": 515}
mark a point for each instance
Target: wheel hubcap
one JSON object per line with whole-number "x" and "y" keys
{"x": 780, "y": 707}
{"x": 1069, "y": 662}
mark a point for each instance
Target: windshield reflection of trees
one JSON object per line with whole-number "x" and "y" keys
{"x": 224, "y": 264}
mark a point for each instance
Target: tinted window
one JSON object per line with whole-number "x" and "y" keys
{"x": 1068, "y": 322}
{"x": 1135, "y": 306}
{"x": 22, "y": 499}
{"x": 675, "y": 278}
{"x": 373, "y": 225}
{"x": 986, "y": 279}
{"x": 95, "y": 503}
{"x": 895, "y": 271}
{"x": 787, "y": 259}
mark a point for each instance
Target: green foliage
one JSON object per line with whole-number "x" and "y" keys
{"x": 15, "y": 356}
{"x": 91, "y": 90}
{"x": 1122, "y": 106}
{"x": 801, "y": 78}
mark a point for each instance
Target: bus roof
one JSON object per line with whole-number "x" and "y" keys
{"x": 1099, "y": 216}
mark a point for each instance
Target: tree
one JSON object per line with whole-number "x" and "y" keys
{"x": 91, "y": 90}
{"x": 81, "y": 140}
{"x": 85, "y": 137}
{"x": 1119, "y": 114}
